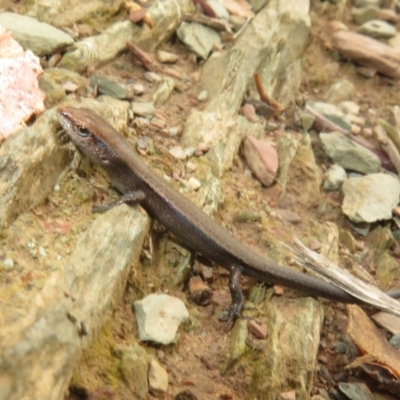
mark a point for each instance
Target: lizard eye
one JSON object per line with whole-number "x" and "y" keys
{"x": 83, "y": 131}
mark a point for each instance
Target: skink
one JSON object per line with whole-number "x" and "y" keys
{"x": 99, "y": 141}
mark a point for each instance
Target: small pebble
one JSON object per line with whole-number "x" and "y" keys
{"x": 152, "y": 77}
{"x": 173, "y": 131}
{"x": 166, "y": 57}
{"x": 194, "y": 183}
{"x": 42, "y": 251}
{"x": 355, "y": 129}
{"x": 190, "y": 151}
{"x": 349, "y": 107}
{"x": 138, "y": 89}
{"x": 56, "y": 188}
{"x": 271, "y": 126}
{"x": 259, "y": 331}
{"x": 191, "y": 167}
{"x": 203, "y": 147}
{"x": 203, "y": 95}
{"x": 8, "y": 264}
{"x": 178, "y": 152}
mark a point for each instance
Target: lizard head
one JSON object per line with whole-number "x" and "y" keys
{"x": 89, "y": 132}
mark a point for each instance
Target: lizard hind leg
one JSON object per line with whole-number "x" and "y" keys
{"x": 129, "y": 198}
{"x": 237, "y": 304}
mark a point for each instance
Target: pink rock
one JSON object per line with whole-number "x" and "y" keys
{"x": 262, "y": 158}
{"x": 20, "y": 96}
{"x": 249, "y": 112}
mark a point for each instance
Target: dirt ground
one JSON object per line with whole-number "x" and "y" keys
{"x": 195, "y": 363}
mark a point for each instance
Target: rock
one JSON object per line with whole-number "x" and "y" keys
{"x": 336, "y": 175}
{"x": 307, "y": 121}
{"x": 347, "y": 239}
{"x": 368, "y": 52}
{"x": 340, "y": 91}
{"x": 137, "y": 89}
{"x": 134, "y": 366}
{"x": 262, "y": 158}
{"x": 395, "y": 341}
{"x": 370, "y": 198}
{"x": 158, "y": 378}
{"x": 378, "y": 29}
{"x": 159, "y": 316}
{"x": 198, "y": 38}
{"x": 200, "y": 292}
{"x": 203, "y": 95}
{"x": 366, "y": 3}
{"x": 37, "y": 36}
{"x": 259, "y": 331}
{"x": 249, "y": 112}
{"x": 108, "y": 87}
{"x": 245, "y": 216}
{"x": 387, "y": 321}
{"x": 349, "y": 107}
{"x": 338, "y": 26}
{"x": 366, "y": 72}
{"x": 387, "y": 269}
{"x": 330, "y": 112}
{"x": 146, "y": 110}
{"x": 237, "y": 21}
{"x": 364, "y": 14}
{"x": 356, "y": 391}
{"x": 257, "y": 5}
{"x": 194, "y": 183}
{"x": 163, "y": 91}
{"x": 386, "y": 14}
{"x": 152, "y": 76}
{"x": 218, "y": 8}
{"x": 348, "y": 154}
{"x": 166, "y": 57}
{"x": 394, "y": 41}
{"x": 178, "y": 152}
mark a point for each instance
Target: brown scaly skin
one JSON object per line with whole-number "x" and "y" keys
{"x": 99, "y": 141}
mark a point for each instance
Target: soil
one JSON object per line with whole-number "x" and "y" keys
{"x": 196, "y": 364}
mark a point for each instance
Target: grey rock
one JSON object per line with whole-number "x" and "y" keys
{"x": 348, "y": 154}
{"x": 395, "y": 341}
{"x": 356, "y": 391}
{"x": 159, "y": 316}
{"x": 332, "y": 113}
{"x": 336, "y": 175}
{"x": 158, "y": 378}
{"x": 134, "y": 366}
{"x": 108, "y": 87}
{"x": 364, "y": 14}
{"x": 378, "y": 29}
{"x": 366, "y": 3}
{"x": 370, "y": 198}
{"x": 340, "y": 91}
{"x": 198, "y": 38}
{"x": 366, "y": 72}
{"x": 163, "y": 91}
{"x": 307, "y": 121}
{"x": 37, "y": 36}
{"x": 218, "y": 8}
{"x": 146, "y": 110}
{"x": 257, "y": 5}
